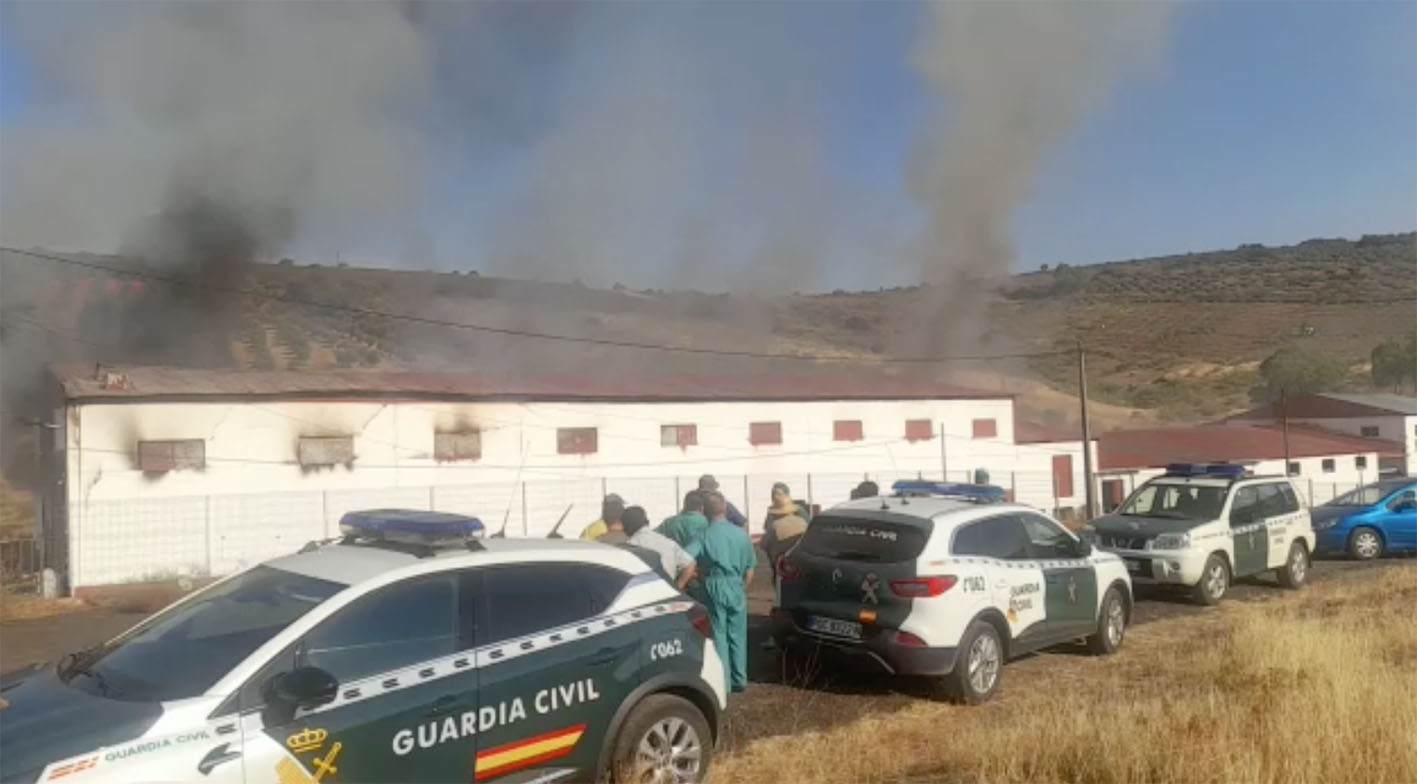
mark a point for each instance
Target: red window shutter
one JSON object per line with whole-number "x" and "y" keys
{"x": 846, "y": 430}
{"x": 919, "y": 430}
{"x": 1062, "y": 476}
{"x": 576, "y": 440}
{"x": 760, "y": 433}
{"x": 985, "y": 428}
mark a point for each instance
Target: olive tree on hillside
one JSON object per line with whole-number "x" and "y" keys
{"x": 1297, "y": 371}
{"x": 1395, "y": 362}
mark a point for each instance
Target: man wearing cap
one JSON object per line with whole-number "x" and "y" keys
{"x": 678, "y": 565}
{"x": 726, "y": 561}
{"x": 708, "y": 482}
{"x": 611, "y": 509}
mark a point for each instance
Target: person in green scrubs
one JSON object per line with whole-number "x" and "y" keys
{"x": 726, "y": 561}
{"x": 689, "y": 525}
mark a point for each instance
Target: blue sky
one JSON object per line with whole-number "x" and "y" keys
{"x": 1265, "y": 122}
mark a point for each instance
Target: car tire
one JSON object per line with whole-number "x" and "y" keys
{"x": 663, "y": 734}
{"x": 1295, "y": 570}
{"x": 1214, "y": 582}
{"x": 1111, "y": 624}
{"x": 979, "y": 664}
{"x": 1365, "y": 544}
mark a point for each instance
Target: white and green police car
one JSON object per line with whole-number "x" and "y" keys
{"x": 410, "y": 650}
{"x": 945, "y": 581}
{"x": 1202, "y": 526}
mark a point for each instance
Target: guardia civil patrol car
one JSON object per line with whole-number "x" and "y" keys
{"x": 945, "y": 581}
{"x": 1201, "y": 526}
{"x": 409, "y": 650}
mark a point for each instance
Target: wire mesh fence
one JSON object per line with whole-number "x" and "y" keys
{"x": 144, "y": 539}
{"x": 19, "y": 565}
{"x": 132, "y": 540}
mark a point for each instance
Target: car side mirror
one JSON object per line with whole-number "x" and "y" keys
{"x": 1083, "y": 549}
{"x": 302, "y": 687}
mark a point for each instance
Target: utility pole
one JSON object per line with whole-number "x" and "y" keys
{"x": 1284, "y": 426}
{"x": 1086, "y": 433}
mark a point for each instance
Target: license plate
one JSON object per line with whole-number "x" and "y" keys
{"x": 817, "y": 623}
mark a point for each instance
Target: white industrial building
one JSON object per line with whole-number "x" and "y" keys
{"x": 161, "y": 472}
{"x": 1381, "y": 416}
{"x": 1323, "y": 464}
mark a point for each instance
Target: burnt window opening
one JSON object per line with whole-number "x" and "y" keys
{"x": 678, "y": 435}
{"x": 847, "y": 430}
{"x": 1360, "y": 462}
{"x": 760, "y": 433}
{"x": 1369, "y": 431}
{"x": 577, "y": 441}
{"x": 1295, "y": 469}
{"x": 315, "y": 451}
{"x": 188, "y": 454}
{"x": 985, "y": 428}
{"x": 1327, "y": 465}
{"x": 919, "y": 430}
{"x": 466, "y": 445}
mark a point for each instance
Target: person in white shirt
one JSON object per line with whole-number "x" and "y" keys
{"x": 678, "y": 564}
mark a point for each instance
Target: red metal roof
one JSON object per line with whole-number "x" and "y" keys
{"x": 1157, "y": 446}
{"x": 122, "y": 382}
{"x": 1334, "y": 406}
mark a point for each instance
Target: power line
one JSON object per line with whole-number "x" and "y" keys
{"x": 351, "y": 309}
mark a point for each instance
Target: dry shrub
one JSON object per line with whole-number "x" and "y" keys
{"x": 1250, "y": 693}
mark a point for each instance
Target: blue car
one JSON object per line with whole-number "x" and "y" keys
{"x": 1372, "y": 520}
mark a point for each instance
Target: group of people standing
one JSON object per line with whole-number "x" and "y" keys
{"x": 706, "y": 552}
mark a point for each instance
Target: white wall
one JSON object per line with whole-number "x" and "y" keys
{"x": 253, "y": 500}
{"x": 1315, "y": 485}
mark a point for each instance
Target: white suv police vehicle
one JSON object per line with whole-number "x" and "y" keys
{"x": 1202, "y": 526}
{"x": 405, "y": 651}
{"x": 945, "y": 581}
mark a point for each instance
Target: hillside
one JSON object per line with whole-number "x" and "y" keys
{"x": 1176, "y": 338}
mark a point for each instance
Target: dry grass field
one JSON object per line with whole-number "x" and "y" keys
{"x": 1319, "y": 686}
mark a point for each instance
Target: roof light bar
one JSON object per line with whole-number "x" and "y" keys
{"x": 980, "y": 494}
{"x": 411, "y": 526}
{"x": 1216, "y": 470}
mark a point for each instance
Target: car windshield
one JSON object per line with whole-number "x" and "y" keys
{"x": 1176, "y": 502}
{"x": 183, "y": 650}
{"x": 1366, "y": 496}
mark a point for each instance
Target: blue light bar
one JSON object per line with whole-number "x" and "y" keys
{"x": 411, "y": 526}
{"x": 1215, "y": 470}
{"x": 984, "y": 494}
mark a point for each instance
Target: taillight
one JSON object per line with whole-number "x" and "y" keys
{"x": 699, "y": 617}
{"x": 788, "y": 570}
{"x": 922, "y": 587}
{"x": 908, "y": 640}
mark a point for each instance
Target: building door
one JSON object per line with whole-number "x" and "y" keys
{"x": 1062, "y": 476}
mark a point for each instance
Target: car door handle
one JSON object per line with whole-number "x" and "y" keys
{"x": 603, "y": 656}
{"x": 442, "y": 706}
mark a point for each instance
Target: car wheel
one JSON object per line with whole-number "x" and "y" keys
{"x": 664, "y": 739}
{"x": 1365, "y": 544}
{"x": 1296, "y": 567}
{"x": 978, "y": 663}
{"x": 1111, "y": 624}
{"x": 1215, "y": 581}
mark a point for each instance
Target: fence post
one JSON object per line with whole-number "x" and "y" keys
{"x": 325, "y": 511}
{"x": 747, "y": 502}
{"x": 677, "y": 495}
{"x": 431, "y": 507}
{"x": 604, "y": 487}
{"x": 809, "y": 489}
{"x": 1013, "y": 486}
{"x": 207, "y": 522}
{"x": 1311, "y": 492}
{"x": 524, "y": 525}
